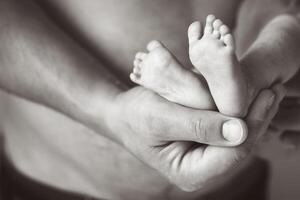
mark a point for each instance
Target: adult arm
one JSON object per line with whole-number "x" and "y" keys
{"x": 39, "y": 62}
{"x": 274, "y": 56}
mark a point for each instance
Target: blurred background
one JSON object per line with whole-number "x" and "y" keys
{"x": 285, "y": 169}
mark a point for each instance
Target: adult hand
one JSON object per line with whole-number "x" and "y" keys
{"x": 170, "y": 137}
{"x": 287, "y": 121}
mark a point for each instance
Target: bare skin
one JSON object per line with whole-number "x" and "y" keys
{"x": 213, "y": 54}
{"x": 161, "y": 72}
{"x": 233, "y": 88}
{"x": 80, "y": 87}
{"x": 72, "y": 149}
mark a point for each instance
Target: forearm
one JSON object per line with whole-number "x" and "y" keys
{"x": 274, "y": 55}
{"x": 39, "y": 62}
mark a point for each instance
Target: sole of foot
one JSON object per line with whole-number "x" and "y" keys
{"x": 213, "y": 54}
{"x": 159, "y": 71}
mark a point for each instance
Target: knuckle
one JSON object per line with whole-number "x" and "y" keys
{"x": 198, "y": 127}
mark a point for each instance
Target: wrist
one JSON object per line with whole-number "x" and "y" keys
{"x": 97, "y": 108}
{"x": 112, "y": 114}
{"x": 121, "y": 113}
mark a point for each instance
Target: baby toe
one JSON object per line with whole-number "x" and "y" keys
{"x": 135, "y": 78}
{"x": 153, "y": 45}
{"x": 217, "y": 24}
{"x": 210, "y": 19}
{"x": 208, "y": 29}
{"x": 136, "y": 62}
{"x": 140, "y": 55}
{"x": 224, "y": 29}
{"x": 216, "y": 34}
{"x": 136, "y": 70}
{"x": 229, "y": 41}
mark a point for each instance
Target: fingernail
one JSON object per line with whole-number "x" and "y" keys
{"x": 233, "y": 131}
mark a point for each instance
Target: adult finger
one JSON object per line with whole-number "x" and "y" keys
{"x": 218, "y": 160}
{"x": 215, "y": 161}
{"x": 207, "y": 127}
{"x": 263, "y": 110}
{"x": 211, "y": 162}
{"x": 280, "y": 92}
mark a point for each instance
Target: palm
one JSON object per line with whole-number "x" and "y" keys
{"x": 191, "y": 164}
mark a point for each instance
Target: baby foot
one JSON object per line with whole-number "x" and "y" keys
{"x": 159, "y": 71}
{"x": 213, "y": 55}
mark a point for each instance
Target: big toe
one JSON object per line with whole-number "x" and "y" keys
{"x": 194, "y": 32}
{"x": 153, "y": 45}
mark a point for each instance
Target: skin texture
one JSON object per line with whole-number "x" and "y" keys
{"x": 183, "y": 161}
{"x": 212, "y": 53}
{"x": 77, "y": 85}
{"x": 71, "y": 85}
{"x": 160, "y": 72}
{"x": 213, "y": 58}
